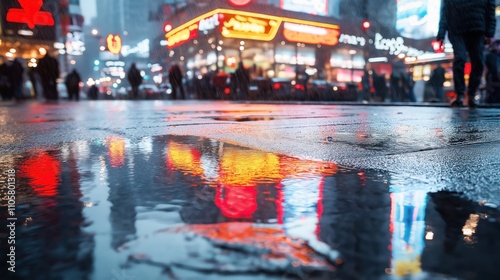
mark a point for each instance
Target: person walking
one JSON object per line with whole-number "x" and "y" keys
{"x": 492, "y": 74}
{"x": 242, "y": 76}
{"x": 48, "y": 69}
{"x": 135, "y": 79}
{"x": 4, "y": 80}
{"x": 436, "y": 82}
{"x": 470, "y": 24}
{"x": 73, "y": 85}
{"x": 175, "y": 78}
{"x": 16, "y": 71}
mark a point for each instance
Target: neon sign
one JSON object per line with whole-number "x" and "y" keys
{"x": 114, "y": 43}
{"x": 210, "y": 23}
{"x": 310, "y": 34}
{"x": 395, "y": 46}
{"x": 249, "y": 27}
{"x": 30, "y": 14}
{"x": 244, "y": 25}
{"x": 182, "y": 36}
{"x": 352, "y": 40}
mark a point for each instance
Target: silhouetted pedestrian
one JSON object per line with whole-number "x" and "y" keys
{"x": 408, "y": 84}
{"x": 72, "y": 82}
{"x": 48, "y": 69}
{"x": 242, "y": 76}
{"x": 34, "y": 79}
{"x": 93, "y": 92}
{"x": 492, "y": 74}
{"x": 135, "y": 79}
{"x": 365, "y": 83}
{"x": 175, "y": 78}
{"x": 396, "y": 82}
{"x": 436, "y": 81}
{"x": 380, "y": 85}
{"x": 16, "y": 71}
{"x": 4, "y": 81}
{"x": 469, "y": 25}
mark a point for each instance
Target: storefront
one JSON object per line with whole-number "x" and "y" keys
{"x": 275, "y": 43}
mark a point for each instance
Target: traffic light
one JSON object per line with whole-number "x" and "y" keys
{"x": 365, "y": 25}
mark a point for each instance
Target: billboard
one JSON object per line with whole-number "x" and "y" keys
{"x": 314, "y": 7}
{"x": 418, "y": 19}
{"x": 22, "y": 21}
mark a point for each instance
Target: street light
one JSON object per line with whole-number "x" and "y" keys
{"x": 95, "y": 32}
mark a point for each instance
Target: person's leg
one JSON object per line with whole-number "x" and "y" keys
{"x": 181, "y": 87}
{"x": 460, "y": 57}
{"x": 475, "y": 47}
{"x": 174, "y": 91}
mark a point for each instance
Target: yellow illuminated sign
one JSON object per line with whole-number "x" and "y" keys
{"x": 114, "y": 43}
{"x": 309, "y": 34}
{"x": 247, "y": 25}
{"x": 182, "y": 36}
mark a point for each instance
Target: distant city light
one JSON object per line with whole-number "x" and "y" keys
{"x": 95, "y": 32}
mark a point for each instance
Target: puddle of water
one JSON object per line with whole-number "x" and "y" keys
{"x": 182, "y": 207}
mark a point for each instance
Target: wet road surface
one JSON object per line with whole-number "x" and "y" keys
{"x": 201, "y": 190}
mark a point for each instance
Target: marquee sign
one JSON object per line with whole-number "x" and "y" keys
{"x": 249, "y": 27}
{"x": 182, "y": 36}
{"x": 309, "y": 34}
{"x": 253, "y": 26}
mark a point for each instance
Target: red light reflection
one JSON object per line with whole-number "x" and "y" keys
{"x": 43, "y": 171}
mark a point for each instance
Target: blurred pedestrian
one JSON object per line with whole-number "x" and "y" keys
{"x": 242, "y": 76}
{"x": 135, "y": 79}
{"x": 48, "y": 69}
{"x": 93, "y": 92}
{"x": 175, "y": 78}
{"x": 4, "y": 81}
{"x": 380, "y": 85}
{"x": 492, "y": 74}
{"x": 408, "y": 84}
{"x": 72, "y": 82}
{"x": 436, "y": 81}
{"x": 16, "y": 71}
{"x": 396, "y": 83}
{"x": 470, "y": 24}
{"x": 34, "y": 79}
{"x": 365, "y": 83}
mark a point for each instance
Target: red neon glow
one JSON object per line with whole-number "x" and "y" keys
{"x": 43, "y": 172}
{"x": 227, "y": 90}
{"x": 366, "y": 24}
{"x": 167, "y": 27}
{"x": 437, "y": 46}
{"x": 240, "y": 3}
{"x": 237, "y": 202}
{"x": 30, "y": 14}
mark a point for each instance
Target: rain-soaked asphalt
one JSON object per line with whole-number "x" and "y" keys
{"x": 202, "y": 190}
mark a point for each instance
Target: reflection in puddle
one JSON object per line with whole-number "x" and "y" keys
{"x": 183, "y": 207}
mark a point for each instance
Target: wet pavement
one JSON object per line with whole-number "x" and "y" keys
{"x": 218, "y": 190}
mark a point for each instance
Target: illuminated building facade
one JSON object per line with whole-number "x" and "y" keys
{"x": 274, "y": 43}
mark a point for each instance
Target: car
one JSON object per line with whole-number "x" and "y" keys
{"x": 149, "y": 91}
{"x": 282, "y": 88}
{"x": 166, "y": 89}
{"x": 322, "y": 90}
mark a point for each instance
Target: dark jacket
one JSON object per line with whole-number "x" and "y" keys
{"x": 134, "y": 76}
{"x": 175, "y": 75}
{"x": 465, "y": 16}
{"x": 437, "y": 77}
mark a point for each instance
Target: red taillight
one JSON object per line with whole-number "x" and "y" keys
{"x": 227, "y": 90}
{"x": 276, "y": 86}
{"x": 299, "y": 87}
{"x": 343, "y": 88}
